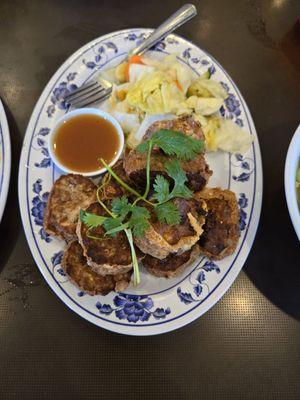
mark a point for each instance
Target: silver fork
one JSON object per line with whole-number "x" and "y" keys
{"x": 96, "y": 91}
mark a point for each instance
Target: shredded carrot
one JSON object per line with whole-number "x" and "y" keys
{"x": 132, "y": 60}
{"x": 179, "y": 86}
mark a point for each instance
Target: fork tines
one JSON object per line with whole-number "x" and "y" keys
{"x": 89, "y": 93}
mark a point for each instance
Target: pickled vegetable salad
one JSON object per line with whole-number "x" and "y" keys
{"x": 146, "y": 89}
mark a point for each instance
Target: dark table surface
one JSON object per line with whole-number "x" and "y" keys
{"x": 245, "y": 347}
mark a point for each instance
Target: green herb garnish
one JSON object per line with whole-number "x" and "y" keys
{"x": 121, "y": 206}
{"x": 162, "y": 187}
{"x": 174, "y": 143}
{"x": 168, "y": 213}
{"x": 139, "y": 220}
{"x": 91, "y": 220}
{"x": 112, "y": 224}
{"x": 133, "y": 219}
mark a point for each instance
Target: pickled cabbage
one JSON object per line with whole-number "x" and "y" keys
{"x": 207, "y": 88}
{"x": 225, "y": 135}
{"x": 157, "y": 93}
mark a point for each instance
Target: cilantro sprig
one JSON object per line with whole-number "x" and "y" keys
{"x": 124, "y": 216}
{"x": 162, "y": 186}
{"x": 168, "y": 213}
{"x": 174, "y": 143}
{"x": 137, "y": 218}
{"x": 91, "y": 220}
{"x": 133, "y": 219}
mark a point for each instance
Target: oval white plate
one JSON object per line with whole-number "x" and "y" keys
{"x": 5, "y": 159}
{"x": 157, "y": 305}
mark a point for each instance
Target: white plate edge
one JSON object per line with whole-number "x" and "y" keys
{"x": 7, "y": 163}
{"x": 224, "y": 286}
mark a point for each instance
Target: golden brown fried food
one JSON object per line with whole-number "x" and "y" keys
{"x": 110, "y": 187}
{"x": 75, "y": 266}
{"x": 221, "y": 229}
{"x": 172, "y": 265}
{"x": 197, "y": 170}
{"x": 185, "y": 124}
{"x": 106, "y": 255}
{"x": 162, "y": 239}
{"x": 69, "y": 194}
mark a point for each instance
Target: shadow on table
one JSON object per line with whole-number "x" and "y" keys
{"x": 278, "y": 280}
{"x": 11, "y": 220}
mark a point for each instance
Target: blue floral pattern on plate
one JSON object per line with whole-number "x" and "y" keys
{"x": 68, "y": 86}
{"x": 244, "y": 164}
{"x": 198, "y": 284}
{"x": 232, "y": 107}
{"x": 57, "y": 270}
{"x": 39, "y": 203}
{"x": 60, "y": 92}
{"x": 243, "y": 204}
{"x": 41, "y": 146}
{"x": 101, "y": 55}
{"x": 158, "y": 305}
{"x": 133, "y": 308}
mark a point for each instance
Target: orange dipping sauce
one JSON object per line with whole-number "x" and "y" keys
{"x": 81, "y": 141}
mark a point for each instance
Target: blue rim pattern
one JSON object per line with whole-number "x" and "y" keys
{"x": 241, "y": 244}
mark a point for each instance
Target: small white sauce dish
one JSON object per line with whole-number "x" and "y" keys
{"x": 291, "y": 166}
{"x": 75, "y": 113}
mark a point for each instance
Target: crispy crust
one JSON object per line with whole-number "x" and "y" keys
{"x": 221, "y": 230}
{"x": 76, "y": 268}
{"x": 69, "y": 193}
{"x": 197, "y": 170}
{"x": 106, "y": 256}
{"x": 156, "y": 244}
{"x": 112, "y": 189}
{"x": 185, "y": 124}
{"x": 171, "y": 266}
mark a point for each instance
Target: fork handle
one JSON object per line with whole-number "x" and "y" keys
{"x": 181, "y": 16}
